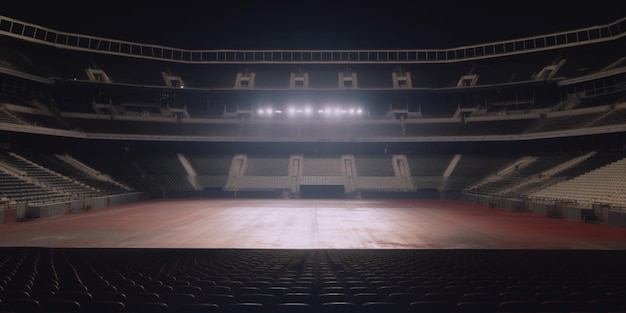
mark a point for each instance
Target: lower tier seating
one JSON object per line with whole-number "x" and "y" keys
{"x": 234, "y": 280}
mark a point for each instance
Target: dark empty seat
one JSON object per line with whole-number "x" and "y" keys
{"x": 332, "y": 297}
{"x": 177, "y": 283}
{"x": 516, "y": 296}
{"x": 217, "y": 290}
{"x": 194, "y": 290}
{"x": 277, "y": 291}
{"x": 150, "y": 282}
{"x": 267, "y": 300}
{"x": 109, "y": 296}
{"x": 563, "y": 306}
{"x": 204, "y": 284}
{"x": 361, "y": 298}
{"x": 294, "y": 308}
{"x": 551, "y": 295}
{"x": 67, "y": 306}
{"x": 127, "y": 288}
{"x": 441, "y": 296}
{"x": 16, "y": 294}
{"x": 104, "y": 306}
{"x": 520, "y": 287}
{"x": 605, "y": 305}
{"x": 79, "y": 296}
{"x": 361, "y": 289}
{"x": 175, "y": 300}
{"x": 199, "y": 308}
{"x": 245, "y": 307}
{"x": 143, "y": 297}
{"x": 102, "y": 288}
{"x": 476, "y": 307}
{"x": 219, "y": 299}
{"x": 304, "y": 289}
{"x": 147, "y": 307}
{"x": 43, "y": 294}
{"x": 616, "y": 295}
{"x": 431, "y": 307}
{"x": 583, "y": 295}
{"x": 301, "y": 297}
{"x": 479, "y": 296}
{"x": 73, "y": 287}
{"x": 159, "y": 289}
{"x": 22, "y": 305}
{"x": 379, "y": 307}
{"x": 518, "y": 306}
{"x": 338, "y": 307}
{"x": 387, "y": 290}
{"x": 246, "y": 290}
{"x": 258, "y": 283}
{"x": 490, "y": 288}
{"x": 403, "y": 299}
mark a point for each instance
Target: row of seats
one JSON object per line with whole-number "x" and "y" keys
{"x": 181, "y": 280}
{"x": 68, "y": 306}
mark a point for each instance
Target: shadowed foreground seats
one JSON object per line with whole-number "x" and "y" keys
{"x": 316, "y": 281}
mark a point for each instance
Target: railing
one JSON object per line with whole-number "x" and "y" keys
{"x": 38, "y": 34}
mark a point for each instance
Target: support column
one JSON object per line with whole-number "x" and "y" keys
{"x": 295, "y": 172}
{"x": 401, "y": 169}
{"x": 237, "y": 169}
{"x": 348, "y": 170}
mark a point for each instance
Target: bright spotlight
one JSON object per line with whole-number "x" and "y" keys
{"x": 278, "y": 111}
{"x": 351, "y": 111}
{"x": 291, "y": 111}
{"x": 359, "y": 111}
{"x": 260, "y": 112}
{"x": 307, "y": 111}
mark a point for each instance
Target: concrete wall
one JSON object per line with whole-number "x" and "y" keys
{"x": 617, "y": 218}
{"x": 12, "y": 213}
{"x": 613, "y": 217}
{"x": 47, "y": 210}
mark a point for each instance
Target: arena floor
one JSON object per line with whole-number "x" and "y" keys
{"x": 310, "y": 224}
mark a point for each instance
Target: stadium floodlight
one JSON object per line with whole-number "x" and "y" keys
{"x": 359, "y": 111}
{"x": 278, "y": 111}
{"x": 260, "y": 112}
{"x": 308, "y": 110}
{"x": 291, "y": 110}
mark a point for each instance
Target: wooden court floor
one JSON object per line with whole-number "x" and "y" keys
{"x": 310, "y": 224}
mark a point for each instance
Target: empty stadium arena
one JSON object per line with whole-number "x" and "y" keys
{"x": 137, "y": 177}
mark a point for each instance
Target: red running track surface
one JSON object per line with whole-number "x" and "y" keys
{"x": 310, "y": 224}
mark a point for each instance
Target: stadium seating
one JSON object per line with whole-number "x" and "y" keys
{"x": 397, "y": 280}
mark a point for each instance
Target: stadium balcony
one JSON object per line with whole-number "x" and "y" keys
{"x": 454, "y": 103}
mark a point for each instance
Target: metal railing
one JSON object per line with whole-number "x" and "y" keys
{"x": 42, "y": 35}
